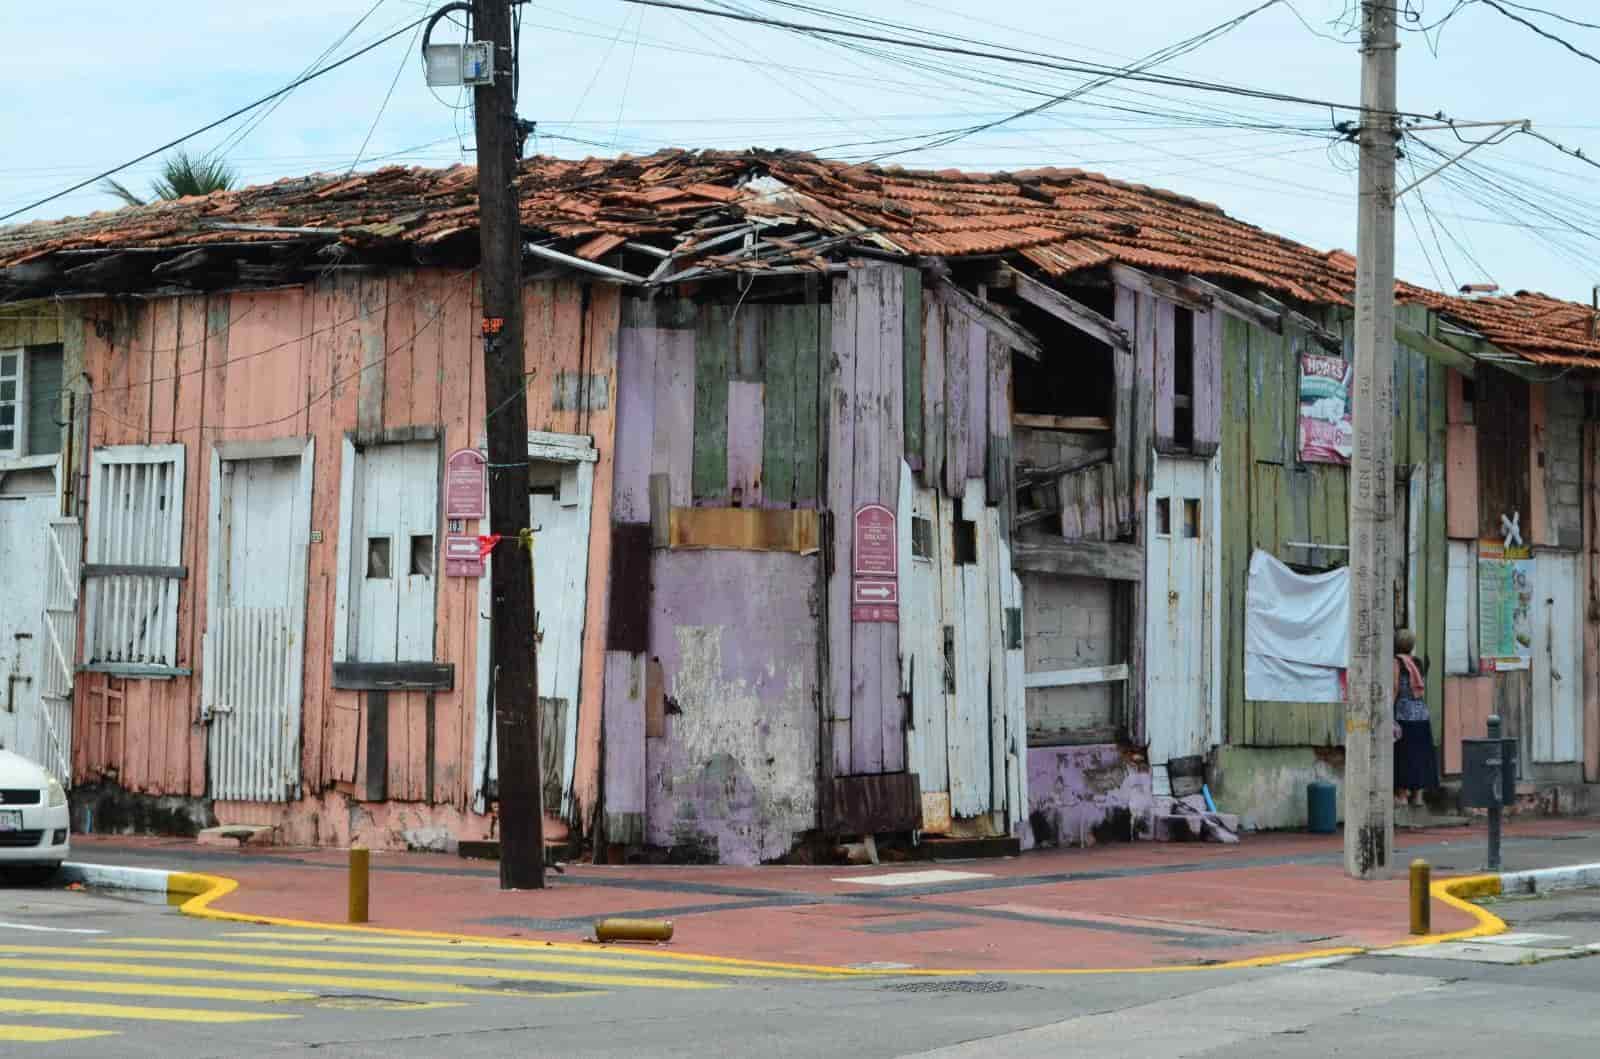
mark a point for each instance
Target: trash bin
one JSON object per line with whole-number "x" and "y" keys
{"x": 1322, "y": 807}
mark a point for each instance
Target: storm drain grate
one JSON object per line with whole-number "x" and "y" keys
{"x": 959, "y": 985}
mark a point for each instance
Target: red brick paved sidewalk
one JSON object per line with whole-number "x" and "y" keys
{"x": 1115, "y": 906}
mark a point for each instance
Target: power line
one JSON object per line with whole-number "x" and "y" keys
{"x": 1155, "y": 58}
{"x": 1569, "y": 20}
{"x": 290, "y": 87}
{"x": 1080, "y": 67}
{"x": 1541, "y": 31}
{"x": 385, "y": 104}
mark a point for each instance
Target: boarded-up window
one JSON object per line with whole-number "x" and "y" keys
{"x": 1503, "y": 486}
{"x": 1070, "y": 657}
{"x": 134, "y": 558}
{"x": 391, "y": 499}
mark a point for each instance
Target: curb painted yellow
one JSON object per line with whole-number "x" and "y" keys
{"x": 194, "y": 893}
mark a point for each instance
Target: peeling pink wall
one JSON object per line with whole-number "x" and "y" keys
{"x": 734, "y": 778}
{"x": 1081, "y": 795}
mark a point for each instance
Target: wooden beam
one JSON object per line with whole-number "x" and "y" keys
{"x": 745, "y": 529}
{"x": 1305, "y": 323}
{"x": 1033, "y": 475}
{"x": 1236, "y": 304}
{"x": 1066, "y": 678}
{"x": 1070, "y": 312}
{"x": 1038, "y": 422}
{"x": 1114, "y": 561}
{"x": 1434, "y": 349}
{"x": 1160, "y": 287}
{"x": 990, "y": 318}
{"x": 394, "y": 676}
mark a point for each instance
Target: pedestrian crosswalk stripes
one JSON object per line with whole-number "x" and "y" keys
{"x": 16, "y": 1034}
{"x": 267, "y": 977}
{"x": 347, "y": 946}
{"x": 391, "y": 968}
{"x": 306, "y": 981}
{"x": 95, "y": 1010}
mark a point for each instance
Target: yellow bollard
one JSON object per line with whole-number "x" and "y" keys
{"x": 1421, "y": 905}
{"x": 360, "y": 858}
{"x": 633, "y": 930}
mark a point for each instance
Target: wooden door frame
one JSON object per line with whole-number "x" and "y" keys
{"x": 303, "y": 448}
{"x": 579, "y": 450}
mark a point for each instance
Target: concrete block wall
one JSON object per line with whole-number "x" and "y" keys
{"x": 1563, "y": 469}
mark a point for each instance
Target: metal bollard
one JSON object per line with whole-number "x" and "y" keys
{"x": 1421, "y": 906}
{"x": 360, "y": 859}
{"x": 633, "y": 930}
{"x": 1497, "y": 779}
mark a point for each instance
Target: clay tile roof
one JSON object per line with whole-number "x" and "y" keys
{"x": 1060, "y": 220}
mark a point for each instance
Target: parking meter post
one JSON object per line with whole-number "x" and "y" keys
{"x": 1497, "y": 771}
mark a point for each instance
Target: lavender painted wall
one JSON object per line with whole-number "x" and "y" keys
{"x": 734, "y": 778}
{"x": 1075, "y": 791}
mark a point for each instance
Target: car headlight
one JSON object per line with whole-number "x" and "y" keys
{"x": 55, "y": 796}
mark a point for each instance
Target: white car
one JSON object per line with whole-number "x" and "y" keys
{"x": 33, "y": 815}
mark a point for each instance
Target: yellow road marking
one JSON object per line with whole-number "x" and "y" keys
{"x": 195, "y": 894}
{"x": 306, "y": 964}
{"x": 191, "y": 992}
{"x": 344, "y": 946}
{"x": 130, "y": 1011}
{"x": 207, "y": 974}
{"x": 46, "y": 1034}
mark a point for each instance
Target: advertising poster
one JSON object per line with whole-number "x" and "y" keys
{"x": 1505, "y": 607}
{"x": 1326, "y": 433}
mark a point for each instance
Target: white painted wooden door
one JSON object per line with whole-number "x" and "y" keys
{"x": 27, "y": 504}
{"x": 1181, "y": 642}
{"x": 924, "y": 670}
{"x": 1557, "y": 658}
{"x": 254, "y": 640}
{"x": 58, "y": 650}
{"x": 559, "y": 506}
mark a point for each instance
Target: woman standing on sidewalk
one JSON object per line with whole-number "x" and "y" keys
{"x": 1415, "y": 768}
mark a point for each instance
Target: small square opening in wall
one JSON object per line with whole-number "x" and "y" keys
{"x": 921, "y": 537}
{"x": 1163, "y": 517}
{"x": 965, "y": 539}
{"x": 378, "y": 567}
{"x": 422, "y": 555}
{"x": 1191, "y": 518}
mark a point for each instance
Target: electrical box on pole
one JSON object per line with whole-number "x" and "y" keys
{"x": 453, "y": 65}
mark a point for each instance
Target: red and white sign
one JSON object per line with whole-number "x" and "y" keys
{"x": 877, "y": 546}
{"x": 875, "y": 588}
{"x": 463, "y": 555}
{"x": 870, "y": 592}
{"x": 463, "y": 484}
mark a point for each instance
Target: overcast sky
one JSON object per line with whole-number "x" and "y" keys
{"x": 91, "y": 84}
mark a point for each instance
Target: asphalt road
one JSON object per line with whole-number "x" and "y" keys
{"x": 96, "y": 974}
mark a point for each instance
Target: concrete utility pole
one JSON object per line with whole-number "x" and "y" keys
{"x": 1369, "y": 715}
{"x": 513, "y": 647}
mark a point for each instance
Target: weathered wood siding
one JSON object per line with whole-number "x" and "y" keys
{"x": 350, "y": 352}
{"x": 1270, "y": 499}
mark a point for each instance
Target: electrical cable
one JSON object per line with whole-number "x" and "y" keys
{"x": 1546, "y": 34}
{"x": 290, "y": 87}
{"x": 387, "y": 96}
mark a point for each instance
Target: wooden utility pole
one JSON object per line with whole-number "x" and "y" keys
{"x": 513, "y": 645}
{"x": 1369, "y": 715}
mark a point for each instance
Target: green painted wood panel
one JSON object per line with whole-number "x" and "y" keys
{"x": 1434, "y": 547}
{"x": 713, "y": 346}
{"x": 1270, "y": 499}
{"x": 814, "y": 340}
{"x": 1234, "y": 357}
{"x": 778, "y": 450}
{"x": 912, "y": 364}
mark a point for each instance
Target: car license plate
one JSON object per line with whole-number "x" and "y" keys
{"x": 10, "y": 819}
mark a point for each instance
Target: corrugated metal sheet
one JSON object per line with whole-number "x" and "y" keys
{"x": 254, "y": 750}
{"x": 59, "y": 648}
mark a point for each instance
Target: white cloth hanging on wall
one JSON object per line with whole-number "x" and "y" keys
{"x": 1296, "y": 633}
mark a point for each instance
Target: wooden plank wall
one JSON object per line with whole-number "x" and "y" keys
{"x": 29, "y": 324}
{"x": 349, "y": 351}
{"x": 1270, "y": 499}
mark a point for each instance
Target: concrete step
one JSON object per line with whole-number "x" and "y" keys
{"x": 237, "y": 834}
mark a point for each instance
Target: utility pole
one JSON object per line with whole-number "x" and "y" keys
{"x": 1369, "y": 715}
{"x": 513, "y": 647}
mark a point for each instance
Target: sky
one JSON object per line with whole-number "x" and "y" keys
{"x": 92, "y": 84}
